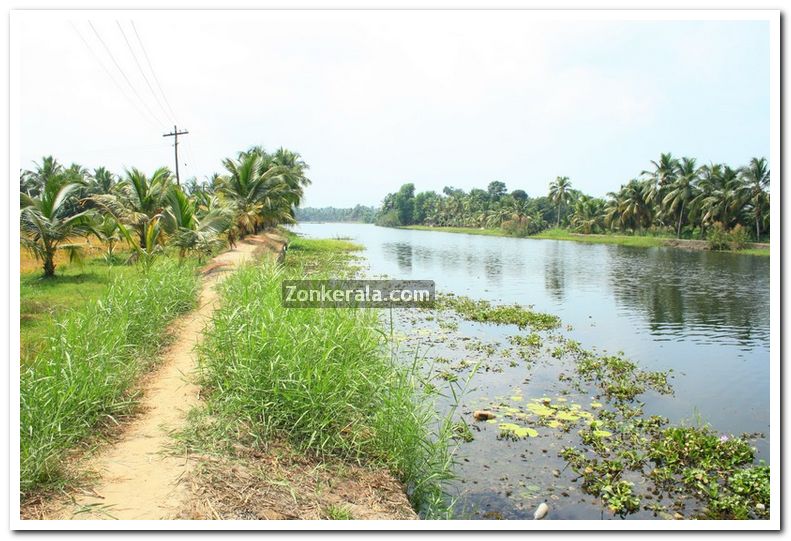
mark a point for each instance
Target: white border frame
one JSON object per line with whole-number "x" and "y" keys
{"x": 771, "y": 16}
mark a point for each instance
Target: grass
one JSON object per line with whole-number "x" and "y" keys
{"x": 762, "y": 252}
{"x": 320, "y": 379}
{"x": 638, "y": 241}
{"x": 43, "y": 301}
{"x": 337, "y": 512}
{"x": 466, "y": 230}
{"x": 85, "y": 371}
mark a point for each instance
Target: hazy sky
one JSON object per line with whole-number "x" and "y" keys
{"x": 375, "y": 99}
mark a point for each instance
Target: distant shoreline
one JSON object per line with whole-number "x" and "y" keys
{"x": 758, "y": 249}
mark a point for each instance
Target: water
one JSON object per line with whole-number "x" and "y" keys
{"x": 704, "y": 315}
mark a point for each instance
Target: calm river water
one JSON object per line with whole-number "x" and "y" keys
{"x": 704, "y": 315}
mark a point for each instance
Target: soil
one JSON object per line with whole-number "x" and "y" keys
{"x": 141, "y": 476}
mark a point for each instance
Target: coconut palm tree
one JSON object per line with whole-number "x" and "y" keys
{"x": 681, "y": 191}
{"x": 636, "y": 205}
{"x": 258, "y": 193}
{"x": 137, "y": 200}
{"x": 725, "y": 200}
{"x": 559, "y": 194}
{"x": 191, "y": 230}
{"x": 665, "y": 168}
{"x": 756, "y": 179}
{"x": 32, "y": 182}
{"x": 106, "y": 229}
{"x": 46, "y": 222}
{"x": 588, "y": 214}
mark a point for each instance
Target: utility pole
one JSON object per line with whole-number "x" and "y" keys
{"x": 175, "y": 133}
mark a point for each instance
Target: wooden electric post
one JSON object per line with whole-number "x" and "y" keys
{"x": 175, "y": 133}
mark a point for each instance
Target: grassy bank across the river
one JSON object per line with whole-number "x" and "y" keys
{"x": 639, "y": 241}
{"x": 321, "y": 382}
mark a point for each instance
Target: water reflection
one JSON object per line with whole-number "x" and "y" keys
{"x": 554, "y": 271}
{"x": 713, "y": 297}
{"x": 703, "y": 315}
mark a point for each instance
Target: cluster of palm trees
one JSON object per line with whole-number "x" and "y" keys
{"x": 61, "y": 204}
{"x": 679, "y": 194}
{"x": 675, "y": 197}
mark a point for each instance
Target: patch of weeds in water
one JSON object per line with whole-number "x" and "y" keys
{"x": 680, "y": 461}
{"x": 484, "y": 311}
{"x": 448, "y": 376}
{"x": 531, "y": 340}
{"x": 620, "y": 378}
{"x": 447, "y": 324}
{"x": 479, "y": 346}
{"x": 461, "y": 431}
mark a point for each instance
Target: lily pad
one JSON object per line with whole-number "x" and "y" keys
{"x": 540, "y": 409}
{"x": 566, "y": 416}
{"x": 596, "y": 405}
{"x": 511, "y": 429}
{"x": 602, "y": 433}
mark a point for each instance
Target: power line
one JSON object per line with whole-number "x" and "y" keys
{"x": 151, "y": 68}
{"x": 112, "y": 78}
{"x": 143, "y": 73}
{"x": 112, "y": 57}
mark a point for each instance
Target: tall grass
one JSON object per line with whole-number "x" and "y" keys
{"x": 87, "y": 368}
{"x": 322, "y": 379}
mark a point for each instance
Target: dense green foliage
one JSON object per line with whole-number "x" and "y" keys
{"x": 321, "y": 378}
{"x": 85, "y": 371}
{"x": 358, "y": 214}
{"x": 676, "y": 197}
{"x": 59, "y": 204}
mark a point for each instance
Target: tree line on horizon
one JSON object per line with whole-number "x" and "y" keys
{"x": 151, "y": 212}
{"x": 674, "y": 197}
{"x": 357, "y": 214}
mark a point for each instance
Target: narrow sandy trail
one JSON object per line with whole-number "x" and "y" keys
{"x": 138, "y": 478}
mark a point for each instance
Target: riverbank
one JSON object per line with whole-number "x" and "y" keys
{"x": 186, "y": 454}
{"x": 318, "y": 387}
{"x": 756, "y": 249}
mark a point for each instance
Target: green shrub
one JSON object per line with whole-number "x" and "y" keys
{"x": 322, "y": 380}
{"x": 389, "y": 219}
{"x": 84, "y": 372}
{"x": 718, "y": 237}
{"x": 739, "y": 237}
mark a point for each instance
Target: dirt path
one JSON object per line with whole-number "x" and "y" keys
{"x": 138, "y": 478}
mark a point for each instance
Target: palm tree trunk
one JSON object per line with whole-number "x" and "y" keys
{"x": 757, "y": 229}
{"x": 49, "y": 263}
{"x": 680, "y": 217}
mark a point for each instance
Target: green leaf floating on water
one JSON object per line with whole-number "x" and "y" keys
{"x": 554, "y": 424}
{"x": 602, "y": 433}
{"x": 567, "y": 416}
{"x": 518, "y": 431}
{"x": 596, "y": 405}
{"x": 540, "y": 409}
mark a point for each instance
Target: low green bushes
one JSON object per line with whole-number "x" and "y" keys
{"x": 322, "y": 379}
{"x": 86, "y": 369}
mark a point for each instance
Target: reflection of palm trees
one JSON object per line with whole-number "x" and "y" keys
{"x": 710, "y": 294}
{"x": 403, "y": 255}
{"x": 555, "y": 271}
{"x": 493, "y": 266}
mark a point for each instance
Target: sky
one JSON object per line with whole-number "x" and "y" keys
{"x": 374, "y": 99}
